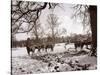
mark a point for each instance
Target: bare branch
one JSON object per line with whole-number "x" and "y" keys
{"x": 28, "y": 11}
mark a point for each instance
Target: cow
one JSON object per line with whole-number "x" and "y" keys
{"x": 29, "y": 49}
{"x": 28, "y": 44}
{"x": 78, "y": 44}
{"x": 49, "y": 46}
{"x": 81, "y": 44}
{"x": 33, "y": 48}
{"x": 87, "y": 43}
{"x": 39, "y": 46}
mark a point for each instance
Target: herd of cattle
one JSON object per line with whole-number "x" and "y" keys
{"x": 82, "y": 43}
{"x": 50, "y": 46}
{"x": 39, "y": 47}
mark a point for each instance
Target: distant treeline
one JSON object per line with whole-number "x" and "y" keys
{"x": 68, "y": 39}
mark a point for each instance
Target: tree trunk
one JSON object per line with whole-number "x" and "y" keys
{"x": 53, "y": 36}
{"x": 93, "y": 22}
{"x": 36, "y": 33}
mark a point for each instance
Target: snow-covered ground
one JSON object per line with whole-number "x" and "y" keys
{"x": 61, "y": 59}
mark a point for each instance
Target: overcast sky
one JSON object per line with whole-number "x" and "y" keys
{"x": 64, "y": 12}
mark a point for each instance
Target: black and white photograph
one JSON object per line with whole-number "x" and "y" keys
{"x": 49, "y": 37}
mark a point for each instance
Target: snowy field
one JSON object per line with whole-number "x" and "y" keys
{"x": 61, "y": 59}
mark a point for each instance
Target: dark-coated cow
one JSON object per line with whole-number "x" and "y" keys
{"x": 49, "y": 46}
{"x": 81, "y": 44}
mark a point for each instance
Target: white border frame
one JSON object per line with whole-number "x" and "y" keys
{"x": 5, "y": 39}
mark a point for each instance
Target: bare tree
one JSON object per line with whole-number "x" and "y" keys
{"x": 53, "y": 24}
{"x": 88, "y": 16}
{"x": 26, "y": 11}
{"x": 37, "y": 31}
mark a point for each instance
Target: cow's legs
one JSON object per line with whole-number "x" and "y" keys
{"x": 46, "y": 49}
{"x": 28, "y": 50}
{"x": 82, "y": 45}
{"x": 52, "y": 49}
{"x": 75, "y": 47}
{"x": 39, "y": 49}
